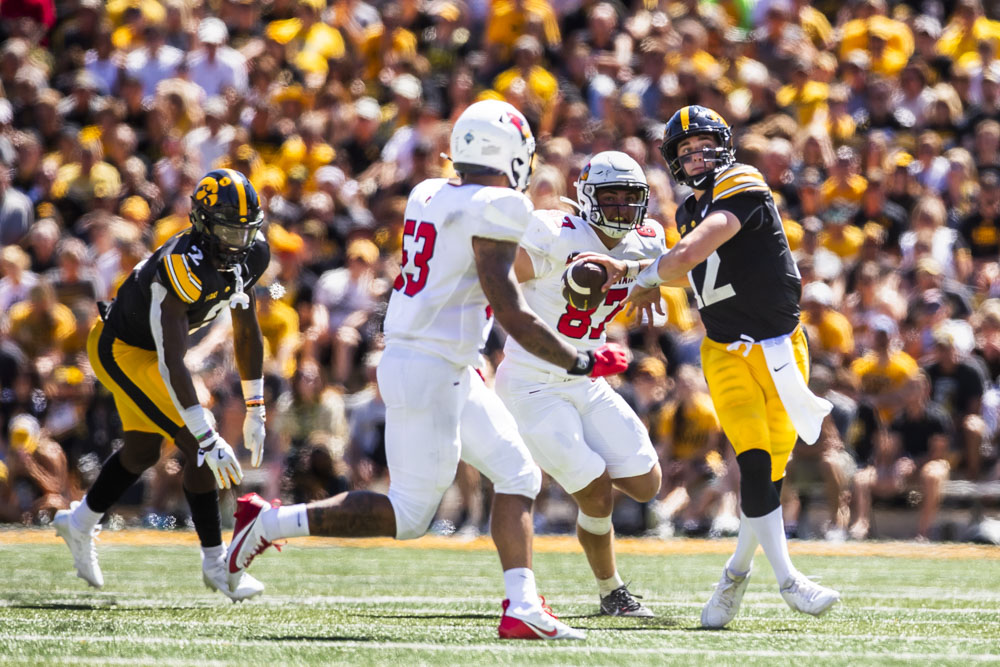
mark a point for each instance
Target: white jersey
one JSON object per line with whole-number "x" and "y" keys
{"x": 550, "y": 240}
{"x": 437, "y": 305}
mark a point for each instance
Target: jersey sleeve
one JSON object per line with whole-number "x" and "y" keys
{"x": 654, "y": 237}
{"x": 257, "y": 260}
{"x": 504, "y": 215}
{"x": 177, "y": 274}
{"x": 540, "y": 238}
{"x": 740, "y": 190}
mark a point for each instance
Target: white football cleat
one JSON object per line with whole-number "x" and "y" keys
{"x": 216, "y": 576}
{"x": 534, "y": 623}
{"x": 81, "y": 545}
{"x": 807, "y": 596}
{"x": 248, "y": 535}
{"x": 725, "y": 601}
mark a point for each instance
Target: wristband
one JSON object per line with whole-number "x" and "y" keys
{"x": 583, "y": 365}
{"x": 632, "y": 268}
{"x": 198, "y": 420}
{"x": 650, "y": 276}
{"x": 253, "y": 392}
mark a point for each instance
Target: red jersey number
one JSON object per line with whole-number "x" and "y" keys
{"x": 418, "y": 243}
{"x": 577, "y": 323}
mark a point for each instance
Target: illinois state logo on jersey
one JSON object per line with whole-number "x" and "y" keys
{"x": 646, "y": 231}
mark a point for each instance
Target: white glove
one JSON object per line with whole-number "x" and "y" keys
{"x": 221, "y": 458}
{"x": 253, "y": 425}
{"x": 253, "y": 433}
{"x": 211, "y": 447}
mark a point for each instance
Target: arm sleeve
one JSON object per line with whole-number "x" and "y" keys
{"x": 257, "y": 260}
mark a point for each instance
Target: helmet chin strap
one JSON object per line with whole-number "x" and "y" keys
{"x": 239, "y": 298}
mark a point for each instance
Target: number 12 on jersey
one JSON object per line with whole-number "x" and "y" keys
{"x": 710, "y": 292}
{"x": 418, "y": 244}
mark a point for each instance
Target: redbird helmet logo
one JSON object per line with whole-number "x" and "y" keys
{"x": 519, "y": 123}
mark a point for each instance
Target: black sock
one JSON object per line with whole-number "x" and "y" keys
{"x": 206, "y": 517}
{"x": 113, "y": 481}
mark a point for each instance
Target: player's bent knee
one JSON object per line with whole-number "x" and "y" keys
{"x": 527, "y": 483}
{"x": 757, "y": 491}
{"x": 595, "y": 525}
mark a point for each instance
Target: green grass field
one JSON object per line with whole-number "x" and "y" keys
{"x": 438, "y": 602}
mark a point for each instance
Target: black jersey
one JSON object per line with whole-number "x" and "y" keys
{"x": 750, "y": 285}
{"x": 181, "y": 266}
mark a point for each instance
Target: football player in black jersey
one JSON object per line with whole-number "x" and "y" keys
{"x": 137, "y": 351}
{"x": 735, "y": 255}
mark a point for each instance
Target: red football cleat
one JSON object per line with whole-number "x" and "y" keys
{"x": 534, "y": 623}
{"x": 248, "y": 533}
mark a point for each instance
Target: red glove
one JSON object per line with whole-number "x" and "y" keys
{"x": 609, "y": 359}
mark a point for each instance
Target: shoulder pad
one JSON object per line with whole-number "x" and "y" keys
{"x": 737, "y": 179}
{"x": 505, "y": 208}
{"x": 179, "y": 273}
{"x": 551, "y": 218}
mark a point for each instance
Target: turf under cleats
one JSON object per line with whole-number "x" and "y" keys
{"x": 725, "y": 601}
{"x": 216, "y": 576}
{"x": 620, "y": 602}
{"x": 248, "y": 535}
{"x": 81, "y": 545}
{"x": 534, "y": 623}
{"x": 807, "y": 596}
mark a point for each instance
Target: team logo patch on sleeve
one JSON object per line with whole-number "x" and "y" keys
{"x": 646, "y": 231}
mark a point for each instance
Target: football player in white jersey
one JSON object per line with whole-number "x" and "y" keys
{"x": 579, "y": 429}
{"x": 459, "y": 243}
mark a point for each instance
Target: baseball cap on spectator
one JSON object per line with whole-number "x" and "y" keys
{"x": 992, "y": 72}
{"x": 406, "y": 86}
{"x": 25, "y": 432}
{"x": 858, "y": 58}
{"x": 927, "y": 25}
{"x": 368, "y": 108}
{"x": 298, "y": 174}
{"x": 943, "y": 337}
{"x": 212, "y": 30}
{"x": 902, "y": 160}
{"x": 331, "y": 175}
{"x": 16, "y": 256}
{"x": 446, "y": 10}
{"x": 932, "y": 299}
{"x": 215, "y": 106}
{"x": 134, "y": 209}
{"x": 818, "y": 292}
{"x": 883, "y": 324}
{"x": 84, "y": 80}
{"x": 282, "y": 240}
{"x": 362, "y": 249}
{"x": 929, "y": 265}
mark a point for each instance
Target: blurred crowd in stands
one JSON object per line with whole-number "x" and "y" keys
{"x": 876, "y": 124}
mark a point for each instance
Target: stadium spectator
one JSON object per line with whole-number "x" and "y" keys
{"x": 35, "y": 474}
{"x": 913, "y": 453}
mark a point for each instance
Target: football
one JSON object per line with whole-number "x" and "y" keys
{"x": 582, "y": 282}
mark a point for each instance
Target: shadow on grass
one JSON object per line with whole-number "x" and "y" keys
{"x": 315, "y": 638}
{"x": 432, "y": 617}
{"x": 64, "y": 606}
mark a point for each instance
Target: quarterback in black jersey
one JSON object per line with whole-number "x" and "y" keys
{"x": 137, "y": 352}
{"x": 735, "y": 255}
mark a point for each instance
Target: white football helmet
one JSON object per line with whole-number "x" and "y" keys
{"x": 493, "y": 136}
{"x": 612, "y": 169}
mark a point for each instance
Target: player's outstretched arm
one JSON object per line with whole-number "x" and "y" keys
{"x": 692, "y": 250}
{"x": 248, "y": 345}
{"x": 168, "y": 321}
{"x": 494, "y": 263}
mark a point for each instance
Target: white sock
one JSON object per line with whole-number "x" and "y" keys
{"x": 770, "y": 530}
{"x": 519, "y": 584}
{"x": 746, "y": 546}
{"x": 83, "y": 519}
{"x": 605, "y": 586}
{"x": 280, "y": 522}
{"x": 210, "y": 554}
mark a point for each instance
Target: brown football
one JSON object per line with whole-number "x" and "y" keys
{"x": 582, "y": 282}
